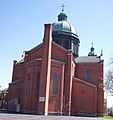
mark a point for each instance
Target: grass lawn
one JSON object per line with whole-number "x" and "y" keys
{"x": 108, "y": 117}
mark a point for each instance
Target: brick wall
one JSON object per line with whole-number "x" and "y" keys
{"x": 84, "y": 98}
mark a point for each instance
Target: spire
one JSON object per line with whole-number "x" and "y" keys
{"x": 92, "y": 44}
{"x": 101, "y": 54}
{"x": 92, "y": 48}
{"x": 63, "y": 7}
{"x": 62, "y": 16}
{"x": 91, "y": 53}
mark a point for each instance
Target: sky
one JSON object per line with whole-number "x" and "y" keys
{"x": 22, "y": 28}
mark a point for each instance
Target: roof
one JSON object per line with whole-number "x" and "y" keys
{"x": 4, "y": 90}
{"x": 87, "y": 59}
{"x": 64, "y": 27}
{"x": 21, "y": 60}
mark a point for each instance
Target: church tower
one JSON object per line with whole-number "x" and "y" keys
{"x": 65, "y": 34}
{"x": 91, "y": 53}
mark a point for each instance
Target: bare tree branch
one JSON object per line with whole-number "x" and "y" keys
{"x": 109, "y": 77}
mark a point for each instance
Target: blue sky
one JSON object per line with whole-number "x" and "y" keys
{"x": 22, "y": 26}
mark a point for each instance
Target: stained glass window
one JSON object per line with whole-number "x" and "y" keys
{"x": 87, "y": 74}
{"x": 55, "y": 84}
{"x": 37, "y": 83}
{"x": 28, "y": 85}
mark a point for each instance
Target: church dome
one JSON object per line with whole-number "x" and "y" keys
{"x": 65, "y": 34}
{"x": 64, "y": 27}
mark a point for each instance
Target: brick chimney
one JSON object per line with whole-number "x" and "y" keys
{"x": 45, "y": 71}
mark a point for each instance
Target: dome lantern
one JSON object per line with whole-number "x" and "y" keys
{"x": 62, "y": 16}
{"x": 91, "y": 53}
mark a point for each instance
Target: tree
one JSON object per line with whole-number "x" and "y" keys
{"x": 109, "y": 79}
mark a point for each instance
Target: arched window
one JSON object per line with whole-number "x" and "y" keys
{"x": 28, "y": 85}
{"x": 66, "y": 44}
{"x": 87, "y": 74}
{"x": 55, "y": 84}
{"x": 37, "y": 83}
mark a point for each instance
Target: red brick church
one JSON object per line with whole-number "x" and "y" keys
{"x": 52, "y": 78}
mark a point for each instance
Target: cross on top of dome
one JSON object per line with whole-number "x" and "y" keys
{"x": 62, "y": 16}
{"x": 92, "y": 44}
{"x": 91, "y": 53}
{"x": 63, "y": 7}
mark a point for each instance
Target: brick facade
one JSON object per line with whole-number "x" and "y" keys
{"x": 49, "y": 80}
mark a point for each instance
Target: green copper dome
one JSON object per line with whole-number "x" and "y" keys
{"x": 63, "y": 26}
{"x": 65, "y": 34}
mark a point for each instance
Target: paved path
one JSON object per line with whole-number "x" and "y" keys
{"x": 5, "y": 116}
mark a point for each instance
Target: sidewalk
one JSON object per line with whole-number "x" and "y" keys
{"x": 6, "y": 116}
